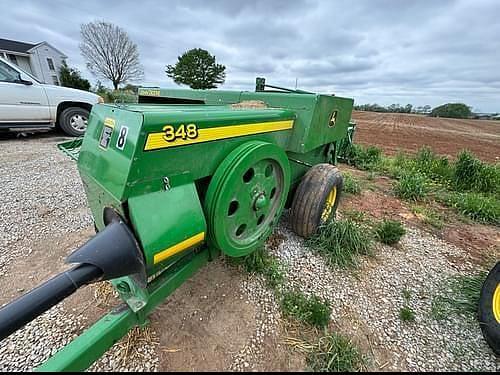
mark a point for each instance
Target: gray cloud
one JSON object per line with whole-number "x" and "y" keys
{"x": 384, "y": 51}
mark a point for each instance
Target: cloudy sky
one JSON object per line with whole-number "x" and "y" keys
{"x": 383, "y": 51}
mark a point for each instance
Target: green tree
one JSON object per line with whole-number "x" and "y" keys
{"x": 198, "y": 69}
{"x": 70, "y": 77}
{"x": 452, "y": 110}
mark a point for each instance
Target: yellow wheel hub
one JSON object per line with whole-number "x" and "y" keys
{"x": 330, "y": 202}
{"x": 496, "y": 303}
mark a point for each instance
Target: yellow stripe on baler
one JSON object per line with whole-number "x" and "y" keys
{"x": 156, "y": 140}
{"x": 181, "y": 246}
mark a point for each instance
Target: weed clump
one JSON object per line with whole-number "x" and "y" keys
{"x": 478, "y": 207}
{"x": 411, "y": 186}
{"x": 429, "y": 216}
{"x": 365, "y": 158}
{"x": 406, "y": 314}
{"x": 460, "y": 296}
{"x": 471, "y": 174}
{"x": 351, "y": 184}
{"x": 309, "y": 310}
{"x": 389, "y": 231}
{"x": 341, "y": 242}
{"x": 262, "y": 263}
{"x": 335, "y": 353}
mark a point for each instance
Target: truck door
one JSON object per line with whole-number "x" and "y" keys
{"x": 22, "y": 99}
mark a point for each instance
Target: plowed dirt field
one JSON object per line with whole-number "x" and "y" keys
{"x": 394, "y": 131}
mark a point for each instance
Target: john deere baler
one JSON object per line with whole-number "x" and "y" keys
{"x": 181, "y": 177}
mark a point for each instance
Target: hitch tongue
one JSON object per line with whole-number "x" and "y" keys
{"x": 113, "y": 252}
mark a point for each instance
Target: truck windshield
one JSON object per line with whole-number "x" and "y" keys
{"x": 8, "y": 74}
{"x": 14, "y": 71}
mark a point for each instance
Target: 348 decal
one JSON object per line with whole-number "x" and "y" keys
{"x": 170, "y": 134}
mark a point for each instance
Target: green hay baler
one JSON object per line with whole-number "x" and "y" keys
{"x": 181, "y": 177}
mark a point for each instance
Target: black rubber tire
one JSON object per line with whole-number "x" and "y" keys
{"x": 65, "y": 117}
{"x": 489, "y": 325}
{"x": 310, "y": 198}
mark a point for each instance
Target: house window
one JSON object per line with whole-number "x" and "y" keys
{"x": 54, "y": 79}
{"x": 12, "y": 58}
{"x": 51, "y": 63}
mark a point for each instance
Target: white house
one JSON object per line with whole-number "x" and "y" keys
{"x": 41, "y": 60}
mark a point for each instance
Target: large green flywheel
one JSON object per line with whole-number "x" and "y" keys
{"x": 246, "y": 196}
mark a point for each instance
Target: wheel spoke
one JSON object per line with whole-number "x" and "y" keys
{"x": 268, "y": 185}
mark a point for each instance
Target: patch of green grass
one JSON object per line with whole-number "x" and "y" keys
{"x": 429, "y": 216}
{"x": 335, "y": 353}
{"x": 478, "y": 207}
{"x": 341, "y": 242}
{"x": 262, "y": 263}
{"x": 365, "y": 158}
{"x": 439, "y": 308}
{"x": 459, "y": 296}
{"x": 389, "y": 231}
{"x": 431, "y": 165}
{"x": 371, "y": 175}
{"x": 406, "y": 295}
{"x": 309, "y": 310}
{"x": 466, "y": 290}
{"x": 351, "y": 184}
{"x": 354, "y": 215}
{"x": 471, "y": 174}
{"x": 467, "y": 184}
{"x": 395, "y": 166}
{"x": 411, "y": 186}
{"x": 406, "y": 314}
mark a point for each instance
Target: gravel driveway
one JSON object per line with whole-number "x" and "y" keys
{"x": 43, "y": 215}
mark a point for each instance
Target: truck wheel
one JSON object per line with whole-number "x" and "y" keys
{"x": 73, "y": 121}
{"x": 316, "y": 199}
{"x": 489, "y": 309}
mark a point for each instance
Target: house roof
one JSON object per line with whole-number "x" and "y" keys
{"x": 21, "y": 47}
{"x": 51, "y": 46}
{"x": 15, "y": 46}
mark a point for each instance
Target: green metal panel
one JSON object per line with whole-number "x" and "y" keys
{"x": 192, "y": 160}
{"x": 312, "y": 128}
{"x": 313, "y": 112}
{"x": 109, "y": 165}
{"x": 166, "y": 218}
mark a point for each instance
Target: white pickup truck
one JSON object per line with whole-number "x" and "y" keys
{"x": 26, "y": 103}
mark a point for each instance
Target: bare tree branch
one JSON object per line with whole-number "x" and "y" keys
{"x": 109, "y": 53}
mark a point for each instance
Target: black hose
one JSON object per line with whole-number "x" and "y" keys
{"x": 34, "y": 303}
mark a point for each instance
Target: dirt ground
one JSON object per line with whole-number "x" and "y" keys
{"x": 377, "y": 201}
{"x": 394, "y": 132}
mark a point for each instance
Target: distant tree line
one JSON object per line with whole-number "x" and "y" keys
{"x": 449, "y": 110}
{"x": 394, "y": 108}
